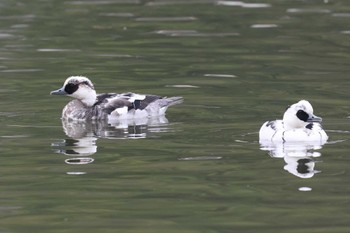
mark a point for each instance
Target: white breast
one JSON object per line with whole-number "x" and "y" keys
{"x": 273, "y": 131}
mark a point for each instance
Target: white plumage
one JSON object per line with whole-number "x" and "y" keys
{"x": 299, "y": 124}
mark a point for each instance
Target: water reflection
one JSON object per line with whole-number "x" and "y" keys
{"x": 81, "y": 143}
{"x": 300, "y": 159}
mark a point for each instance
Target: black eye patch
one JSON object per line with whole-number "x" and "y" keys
{"x": 70, "y": 88}
{"x": 302, "y": 115}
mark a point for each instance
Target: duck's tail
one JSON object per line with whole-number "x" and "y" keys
{"x": 159, "y": 107}
{"x": 172, "y": 101}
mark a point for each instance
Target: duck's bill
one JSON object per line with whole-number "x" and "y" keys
{"x": 314, "y": 118}
{"x": 60, "y": 91}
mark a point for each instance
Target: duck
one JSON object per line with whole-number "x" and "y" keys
{"x": 88, "y": 105}
{"x": 299, "y": 124}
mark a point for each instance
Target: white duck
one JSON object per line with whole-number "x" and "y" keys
{"x": 88, "y": 105}
{"x": 299, "y": 124}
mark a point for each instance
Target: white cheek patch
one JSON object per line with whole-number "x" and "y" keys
{"x": 81, "y": 93}
{"x": 86, "y": 95}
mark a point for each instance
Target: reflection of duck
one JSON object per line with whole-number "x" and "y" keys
{"x": 84, "y": 146}
{"x": 120, "y": 129}
{"x": 299, "y": 158}
{"x": 301, "y": 167}
{"x": 109, "y": 106}
{"x": 81, "y": 144}
{"x": 83, "y": 135}
{"x": 299, "y": 124}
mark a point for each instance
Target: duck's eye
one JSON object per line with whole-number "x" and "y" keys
{"x": 302, "y": 115}
{"x": 70, "y": 88}
{"x": 87, "y": 84}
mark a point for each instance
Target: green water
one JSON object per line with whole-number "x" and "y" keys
{"x": 237, "y": 64}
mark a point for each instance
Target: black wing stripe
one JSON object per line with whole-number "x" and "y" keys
{"x": 142, "y": 104}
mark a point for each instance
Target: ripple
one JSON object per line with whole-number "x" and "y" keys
{"x": 178, "y": 2}
{"x": 220, "y": 75}
{"x": 58, "y": 50}
{"x": 263, "y": 26}
{"x": 339, "y": 131}
{"x": 182, "y": 86}
{"x": 161, "y": 130}
{"x": 18, "y": 46}
{"x": 241, "y": 141}
{"x": 8, "y": 114}
{"x": 166, "y": 19}
{"x": 76, "y": 173}
{"x": 21, "y": 17}
{"x": 115, "y": 55}
{"x": 200, "y": 158}
{"x": 336, "y": 141}
{"x": 19, "y": 26}
{"x": 79, "y": 161}
{"x": 4, "y": 36}
{"x": 341, "y": 15}
{"x": 120, "y": 15}
{"x": 194, "y": 33}
{"x": 299, "y": 10}
{"x": 20, "y": 70}
{"x": 103, "y": 2}
{"x": 15, "y": 136}
{"x": 305, "y": 189}
{"x": 176, "y": 32}
{"x": 34, "y": 126}
{"x": 243, "y": 4}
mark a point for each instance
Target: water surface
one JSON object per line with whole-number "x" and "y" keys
{"x": 237, "y": 64}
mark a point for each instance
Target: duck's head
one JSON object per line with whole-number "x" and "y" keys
{"x": 299, "y": 115}
{"x": 78, "y": 87}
